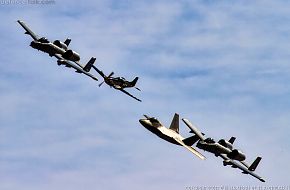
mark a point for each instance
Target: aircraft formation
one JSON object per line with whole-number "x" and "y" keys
{"x": 222, "y": 148}
{"x": 70, "y": 58}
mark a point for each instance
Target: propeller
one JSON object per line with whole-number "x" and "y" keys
{"x": 138, "y": 88}
{"x": 111, "y": 74}
{"x": 101, "y": 83}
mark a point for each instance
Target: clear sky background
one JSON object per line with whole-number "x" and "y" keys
{"x": 225, "y": 65}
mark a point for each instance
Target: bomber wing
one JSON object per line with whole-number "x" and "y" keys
{"x": 27, "y": 30}
{"x": 191, "y": 149}
{"x": 122, "y": 90}
{"x": 193, "y": 129}
{"x": 235, "y": 164}
{"x": 78, "y": 69}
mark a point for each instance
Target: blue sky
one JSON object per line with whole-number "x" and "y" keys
{"x": 222, "y": 64}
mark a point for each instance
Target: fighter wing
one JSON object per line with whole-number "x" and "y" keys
{"x": 235, "y": 164}
{"x": 191, "y": 149}
{"x": 27, "y": 30}
{"x": 122, "y": 90}
{"x": 78, "y": 69}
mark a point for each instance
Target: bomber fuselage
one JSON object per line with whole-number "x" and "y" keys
{"x": 212, "y": 147}
{"x": 52, "y": 49}
{"x": 48, "y": 47}
{"x": 216, "y": 148}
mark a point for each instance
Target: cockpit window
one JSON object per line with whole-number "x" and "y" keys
{"x": 43, "y": 40}
{"x": 209, "y": 140}
{"x": 155, "y": 122}
{"x": 153, "y": 119}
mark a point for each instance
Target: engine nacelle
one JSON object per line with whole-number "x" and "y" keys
{"x": 71, "y": 55}
{"x": 226, "y": 143}
{"x": 60, "y": 44}
{"x": 237, "y": 155}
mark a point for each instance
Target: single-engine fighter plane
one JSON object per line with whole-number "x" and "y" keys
{"x": 170, "y": 134}
{"x": 119, "y": 83}
{"x": 225, "y": 150}
{"x": 59, "y": 50}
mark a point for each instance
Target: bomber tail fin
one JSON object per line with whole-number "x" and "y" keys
{"x": 67, "y": 41}
{"x": 175, "y": 123}
{"x": 232, "y": 140}
{"x": 254, "y": 165}
{"x": 89, "y": 65}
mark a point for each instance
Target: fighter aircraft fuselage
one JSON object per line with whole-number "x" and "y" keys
{"x": 161, "y": 131}
{"x": 170, "y": 134}
{"x": 118, "y": 82}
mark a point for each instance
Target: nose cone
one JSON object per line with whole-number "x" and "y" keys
{"x": 144, "y": 122}
{"x": 33, "y": 44}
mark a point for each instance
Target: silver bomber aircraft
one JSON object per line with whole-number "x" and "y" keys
{"x": 118, "y": 83}
{"x": 170, "y": 134}
{"x": 224, "y": 149}
{"x": 59, "y": 50}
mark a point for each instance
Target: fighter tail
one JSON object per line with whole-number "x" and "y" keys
{"x": 133, "y": 83}
{"x": 175, "y": 123}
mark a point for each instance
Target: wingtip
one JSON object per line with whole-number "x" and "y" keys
{"x": 202, "y": 157}
{"x": 262, "y": 180}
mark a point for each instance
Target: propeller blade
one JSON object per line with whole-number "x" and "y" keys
{"x": 101, "y": 83}
{"x": 138, "y": 88}
{"x": 111, "y": 74}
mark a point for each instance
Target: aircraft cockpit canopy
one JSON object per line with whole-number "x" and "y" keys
{"x": 155, "y": 122}
{"x": 43, "y": 40}
{"x": 209, "y": 140}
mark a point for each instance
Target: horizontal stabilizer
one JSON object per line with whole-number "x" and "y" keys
{"x": 255, "y": 164}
